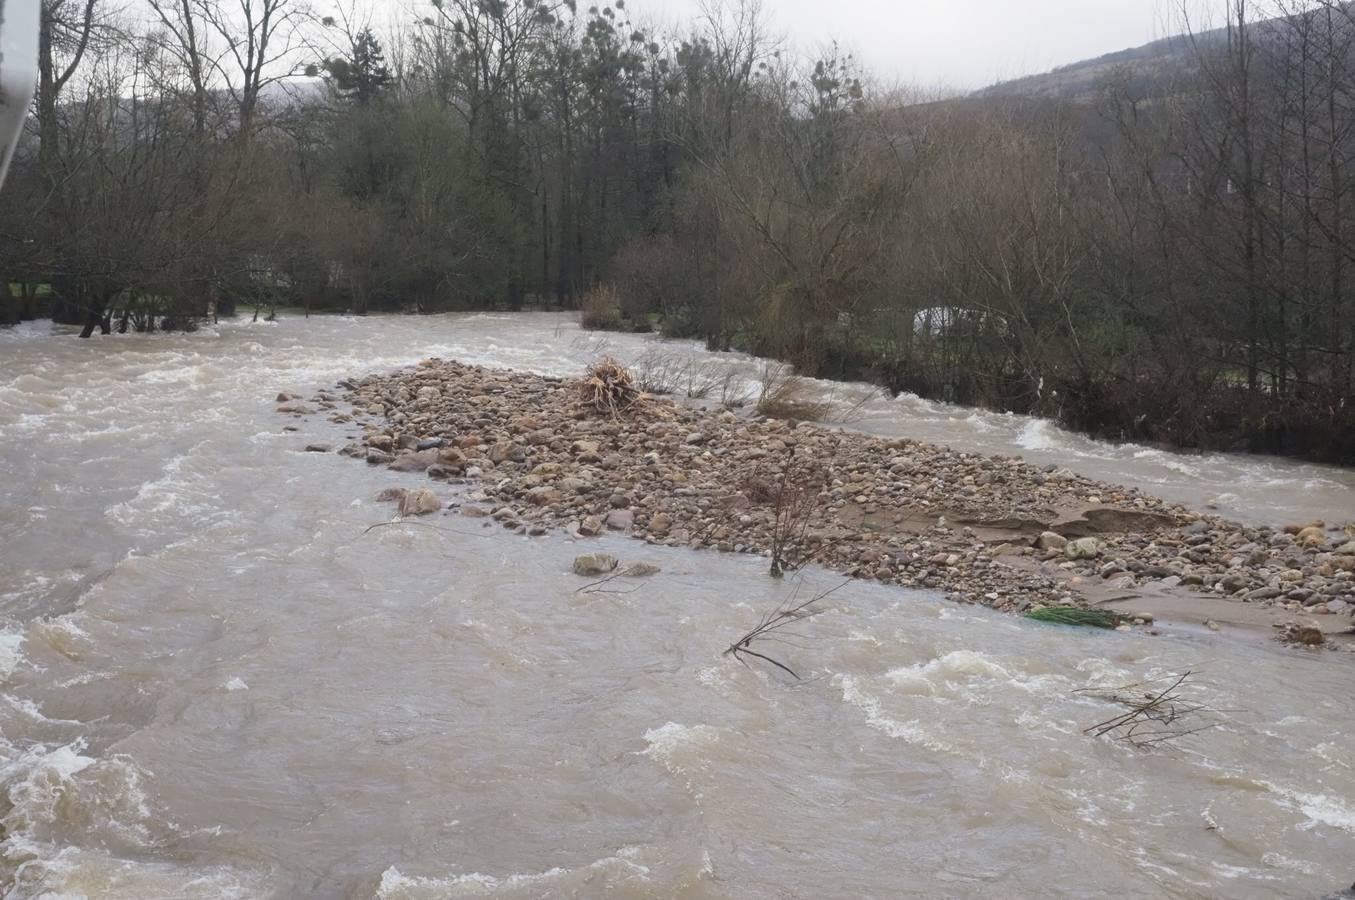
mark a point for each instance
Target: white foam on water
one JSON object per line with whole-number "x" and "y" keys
{"x": 75, "y": 873}
{"x": 11, "y": 652}
{"x": 396, "y": 886}
{"x": 1035, "y": 435}
{"x": 236, "y": 684}
{"x": 954, "y": 664}
{"x": 911, "y": 731}
{"x": 1321, "y": 809}
{"x": 666, "y": 740}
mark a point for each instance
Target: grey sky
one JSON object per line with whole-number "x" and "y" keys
{"x": 957, "y": 43}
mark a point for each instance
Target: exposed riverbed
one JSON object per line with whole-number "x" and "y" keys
{"x": 217, "y": 686}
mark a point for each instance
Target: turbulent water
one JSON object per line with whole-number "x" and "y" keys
{"x": 215, "y": 685}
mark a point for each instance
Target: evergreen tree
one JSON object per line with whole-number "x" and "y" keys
{"x": 363, "y": 76}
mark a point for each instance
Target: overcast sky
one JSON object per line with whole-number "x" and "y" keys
{"x": 956, "y": 43}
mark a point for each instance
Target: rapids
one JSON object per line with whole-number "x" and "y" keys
{"x": 215, "y": 685}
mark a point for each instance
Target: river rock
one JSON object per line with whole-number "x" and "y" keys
{"x": 642, "y": 570}
{"x": 319, "y": 448}
{"x": 419, "y": 502}
{"x": 620, "y": 519}
{"x": 544, "y": 496}
{"x": 430, "y": 443}
{"x": 594, "y": 563}
{"x": 1310, "y": 636}
{"x": 391, "y": 494}
{"x": 413, "y": 461}
{"x": 381, "y": 442}
{"x": 591, "y": 526}
{"x": 379, "y": 457}
{"x": 1083, "y": 548}
{"x": 1051, "y": 541}
{"x": 1312, "y": 536}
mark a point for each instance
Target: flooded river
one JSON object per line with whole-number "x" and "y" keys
{"x": 216, "y": 685}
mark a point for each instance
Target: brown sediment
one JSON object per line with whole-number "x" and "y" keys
{"x": 984, "y": 529}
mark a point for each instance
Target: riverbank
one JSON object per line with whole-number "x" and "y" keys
{"x": 986, "y": 529}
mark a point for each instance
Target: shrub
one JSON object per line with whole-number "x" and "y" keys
{"x": 784, "y": 395}
{"x": 601, "y": 309}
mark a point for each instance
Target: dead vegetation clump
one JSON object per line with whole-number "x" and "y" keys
{"x": 609, "y": 387}
{"x": 784, "y": 395}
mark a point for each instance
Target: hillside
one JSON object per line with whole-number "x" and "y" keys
{"x": 1141, "y": 67}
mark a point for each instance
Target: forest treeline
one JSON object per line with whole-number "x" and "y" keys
{"x": 1170, "y": 260}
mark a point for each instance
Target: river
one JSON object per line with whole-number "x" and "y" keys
{"x": 216, "y": 685}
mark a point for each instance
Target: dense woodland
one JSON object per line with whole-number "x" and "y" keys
{"x": 1167, "y": 257}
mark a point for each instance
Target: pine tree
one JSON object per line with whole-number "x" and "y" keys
{"x": 364, "y": 76}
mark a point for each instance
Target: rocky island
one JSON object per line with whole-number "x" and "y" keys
{"x": 539, "y": 455}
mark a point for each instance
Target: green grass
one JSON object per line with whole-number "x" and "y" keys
{"x": 1075, "y": 615}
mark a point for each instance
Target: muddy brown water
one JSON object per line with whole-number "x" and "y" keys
{"x": 214, "y": 685}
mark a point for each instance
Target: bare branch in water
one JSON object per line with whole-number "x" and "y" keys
{"x": 596, "y": 586}
{"x": 410, "y": 522}
{"x": 788, "y": 613}
{"x": 1156, "y": 714}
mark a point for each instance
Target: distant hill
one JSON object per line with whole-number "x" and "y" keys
{"x": 1153, "y": 63}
